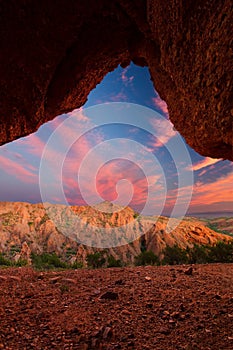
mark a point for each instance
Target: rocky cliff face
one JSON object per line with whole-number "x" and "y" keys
{"x": 26, "y": 228}
{"x": 54, "y": 53}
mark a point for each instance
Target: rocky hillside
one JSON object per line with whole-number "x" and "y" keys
{"x": 221, "y": 224}
{"x": 26, "y": 228}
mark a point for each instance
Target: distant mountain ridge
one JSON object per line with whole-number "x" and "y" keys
{"x": 212, "y": 214}
{"x": 26, "y": 228}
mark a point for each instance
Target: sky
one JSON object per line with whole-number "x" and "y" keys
{"x": 120, "y": 147}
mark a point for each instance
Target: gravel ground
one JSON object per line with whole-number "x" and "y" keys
{"x": 180, "y": 307}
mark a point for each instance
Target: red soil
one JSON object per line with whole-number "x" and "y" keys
{"x": 121, "y": 308}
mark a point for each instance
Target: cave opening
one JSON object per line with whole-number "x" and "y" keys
{"x": 117, "y": 177}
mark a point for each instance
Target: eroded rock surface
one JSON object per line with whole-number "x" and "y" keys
{"x": 26, "y": 228}
{"x": 54, "y": 53}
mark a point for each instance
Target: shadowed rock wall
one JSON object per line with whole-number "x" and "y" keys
{"x": 53, "y": 53}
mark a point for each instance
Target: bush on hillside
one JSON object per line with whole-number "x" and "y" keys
{"x": 76, "y": 265}
{"x": 95, "y": 260}
{"x": 146, "y": 258}
{"x": 46, "y": 261}
{"x": 221, "y": 252}
{"x": 4, "y": 261}
{"x": 174, "y": 256}
{"x": 198, "y": 254}
{"x": 112, "y": 262}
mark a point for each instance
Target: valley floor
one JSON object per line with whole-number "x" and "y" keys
{"x": 120, "y": 308}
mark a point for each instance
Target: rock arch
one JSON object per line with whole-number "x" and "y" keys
{"x": 53, "y": 53}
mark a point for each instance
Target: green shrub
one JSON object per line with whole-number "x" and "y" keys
{"x": 112, "y": 262}
{"x": 77, "y": 265}
{"x": 175, "y": 256}
{"x": 46, "y": 261}
{"x": 146, "y": 258}
{"x": 143, "y": 244}
{"x": 4, "y": 261}
{"x": 70, "y": 252}
{"x": 198, "y": 254}
{"x": 95, "y": 260}
{"x": 20, "y": 263}
{"x": 221, "y": 252}
{"x": 215, "y": 228}
{"x": 15, "y": 249}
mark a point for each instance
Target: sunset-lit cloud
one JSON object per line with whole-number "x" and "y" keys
{"x": 160, "y": 104}
{"x": 125, "y": 78}
{"x": 142, "y": 164}
{"x": 163, "y": 131}
{"x": 120, "y": 97}
{"x": 17, "y": 170}
{"x": 220, "y": 190}
{"x": 203, "y": 164}
{"x": 32, "y": 144}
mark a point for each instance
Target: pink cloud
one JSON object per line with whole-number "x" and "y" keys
{"x": 119, "y": 97}
{"x": 205, "y": 195}
{"x": 220, "y": 190}
{"x": 17, "y": 170}
{"x": 125, "y": 79}
{"x": 163, "y": 132}
{"x": 33, "y": 144}
{"x": 160, "y": 104}
{"x": 203, "y": 164}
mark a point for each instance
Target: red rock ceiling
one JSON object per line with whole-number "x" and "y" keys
{"x": 53, "y": 53}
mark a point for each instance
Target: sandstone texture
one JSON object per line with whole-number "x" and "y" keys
{"x": 27, "y": 228}
{"x": 53, "y": 53}
{"x": 140, "y": 308}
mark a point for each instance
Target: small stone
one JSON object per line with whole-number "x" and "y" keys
{"x": 165, "y": 331}
{"x": 55, "y": 279}
{"x": 148, "y": 279}
{"x": 171, "y": 321}
{"x": 189, "y": 271}
{"x": 15, "y": 278}
{"x": 182, "y": 307}
{"x": 166, "y": 312}
{"x": 109, "y": 295}
{"x": 175, "y": 314}
{"x": 218, "y": 297}
{"x": 126, "y": 312}
{"x": 119, "y": 282}
{"x": 149, "y": 305}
